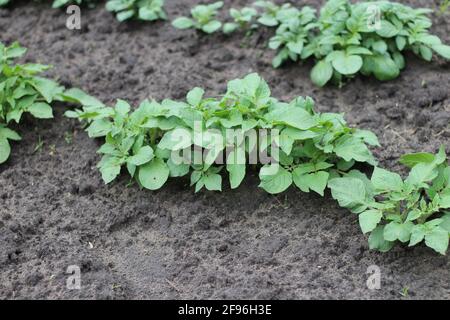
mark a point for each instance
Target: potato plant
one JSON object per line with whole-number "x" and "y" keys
{"x": 21, "y": 91}
{"x": 272, "y": 14}
{"x": 149, "y": 142}
{"x": 366, "y": 37}
{"x": 345, "y": 39}
{"x": 292, "y": 35}
{"x": 203, "y": 18}
{"x": 395, "y": 210}
{"x": 242, "y": 19}
{"x": 146, "y": 10}
{"x": 351, "y": 40}
{"x": 64, "y": 3}
{"x": 59, "y": 3}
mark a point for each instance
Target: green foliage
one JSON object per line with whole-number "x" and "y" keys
{"x": 352, "y": 40}
{"x": 443, "y": 7}
{"x": 292, "y": 34}
{"x": 162, "y": 140}
{"x": 146, "y": 10}
{"x": 21, "y": 90}
{"x": 242, "y": 20}
{"x": 203, "y": 18}
{"x": 272, "y": 14}
{"x": 392, "y": 209}
{"x": 345, "y": 39}
{"x": 60, "y": 3}
{"x": 63, "y": 3}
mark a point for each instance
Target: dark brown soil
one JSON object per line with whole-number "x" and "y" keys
{"x": 177, "y": 244}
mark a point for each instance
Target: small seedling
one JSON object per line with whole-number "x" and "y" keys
{"x": 394, "y": 210}
{"x": 68, "y": 137}
{"x": 404, "y": 292}
{"x": 203, "y": 18}
{"x": 21, "y": 91}
{"x": 242, "y": 20}
{"x": 64, "y": 3}
{"x": 146, "y": 10}
{"x": 272, "y": 14}
{"x": 443, "y": 7}
{"x": 39, "y": 145}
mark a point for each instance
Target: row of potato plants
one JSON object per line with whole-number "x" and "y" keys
{"x": 344, "y": 39}
{"x": 316, "y": 151}
{"x": 146, "y": 10}
{"x": 307, "y": 149}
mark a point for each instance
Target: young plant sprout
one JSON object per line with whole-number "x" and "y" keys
{"x": 242, "y": 20}
{"x": 146, "y": 10}
{"x": 22, "y": 91}
{"x": 203, "y": 18}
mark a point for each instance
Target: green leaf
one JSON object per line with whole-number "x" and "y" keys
{"x": 177, "y": 139}
{"x": 410, "y": 160}
{"x": 292, "y": 116}
{"x": 5, "y": 150}
{"x": 212, "y": 26}
{"x": 367, "y": 136}
{"x": 122, "y": 107}
{"x": 426, "y": 53}
{"x": 75, "y": 95}
{"x": 315, "y": 181}
{"x": 384, "y": 68}
{"x": 321, "y": 73}
{"x": 398, "y": 231}
{"x": 183, "y": 23}
{"x": 275, "y": 179}
{"x": 442, "y": 50}
{"x": 349, "y": 192}
{"x": 144, "y": 155}
{"x": 422, "y": 172}
{"x": 177, "y": 169}
{"x": 41, "y": 110}
{"x": 154, "y": 174}
{"x": 385, "y": 181}
{"x": 47, "y": 88}
{"x": 99, "y": 128}
{"x": 417, "y": 235}
{"x": 236, "y": 168}
{"x": 194, "y": 97}
{"x": 387, "y": 29}
{"x": 414, "y": 215}
{"x": 368, "y": 220}
{"x": 444, "y": 201}
{"x": 347, "y": 64}
{"x": 377, "y": 241}
{"x": 230, "y": 27}
{"x": 213, "y": 182}
{"x": 400, "y": 42}
{"x": 6, "y": 133}
{"x": 125, "y": 15}
{"x": 351, "y": 148}
{"x": 445, "y": 224}
{"x": 109, "y": 169}
{"x": 438, "y": 240}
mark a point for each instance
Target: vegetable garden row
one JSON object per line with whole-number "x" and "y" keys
{"x": 314, "y": 150}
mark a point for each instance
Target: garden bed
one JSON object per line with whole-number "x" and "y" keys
{"x": 55, "y": 210}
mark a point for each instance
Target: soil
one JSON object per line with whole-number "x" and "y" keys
{"x": 56, "y": 212}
